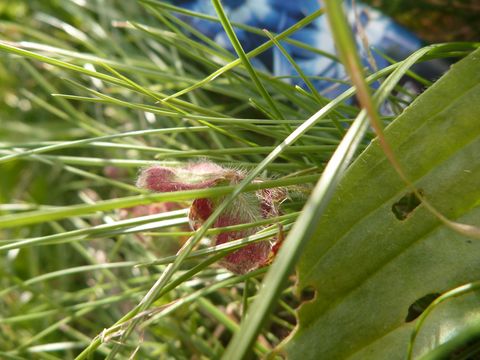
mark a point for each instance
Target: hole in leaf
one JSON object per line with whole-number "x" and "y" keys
{"x": 403, "y": 207}
{"x": 307, "y": 294}
{"x": 419, "y": 306}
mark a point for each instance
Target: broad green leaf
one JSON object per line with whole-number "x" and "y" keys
{"x": 366, "y": 266}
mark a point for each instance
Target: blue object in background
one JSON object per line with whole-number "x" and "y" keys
{"x": 381, "y": 32}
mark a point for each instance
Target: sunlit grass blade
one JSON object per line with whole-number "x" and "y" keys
{"x": 243, "y": 57}
{"x": 250, "y": 54}
{"x": 83, "y": 209}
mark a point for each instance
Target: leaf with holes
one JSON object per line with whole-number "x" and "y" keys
{"x": 378, "y": 256}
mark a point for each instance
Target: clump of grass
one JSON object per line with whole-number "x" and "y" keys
{"x": 94, "y": 92}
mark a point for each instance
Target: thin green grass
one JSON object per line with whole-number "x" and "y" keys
{"x": 97, "y": 91}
